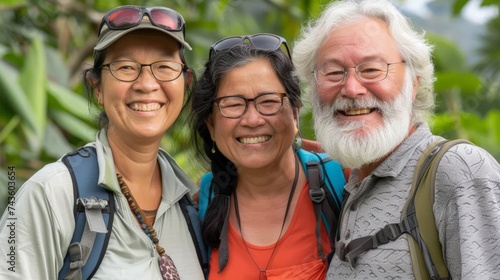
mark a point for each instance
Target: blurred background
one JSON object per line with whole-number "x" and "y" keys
{"x": 45, "y": 45}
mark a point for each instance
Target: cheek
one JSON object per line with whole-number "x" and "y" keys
{"x": 327, "y": 95}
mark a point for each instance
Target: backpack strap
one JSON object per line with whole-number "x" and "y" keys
{"x": 425, "y": 248}
{"x": 424, "y": 257}
{"x": 190, "y": 212}
{"x": 93, "y": 211}
{"x": 326, "y": 183}
{"x": 317, "y": 195}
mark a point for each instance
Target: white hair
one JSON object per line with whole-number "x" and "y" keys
{"x": 412, "y": 46}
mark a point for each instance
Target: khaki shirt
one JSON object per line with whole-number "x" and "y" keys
{"x": 44, "y": 225}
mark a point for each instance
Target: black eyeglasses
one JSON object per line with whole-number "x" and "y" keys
{"x": 126, "y": 17}
{"x": 233, "y": 107}
{"x": 129, "y": 71}
{"x": 261, "y": 41}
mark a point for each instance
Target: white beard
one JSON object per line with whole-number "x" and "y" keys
{"x": 354, "y": 144}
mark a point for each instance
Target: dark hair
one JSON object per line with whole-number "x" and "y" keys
{"x": 203, "y": 96}
{"x": 94, "y": 73}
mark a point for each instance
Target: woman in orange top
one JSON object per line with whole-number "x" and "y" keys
{"x": 260, "y": 223}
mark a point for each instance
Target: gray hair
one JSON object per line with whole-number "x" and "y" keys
{"x": 412, "y": 46}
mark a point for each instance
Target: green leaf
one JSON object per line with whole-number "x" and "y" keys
{"x": 73, "y": 125}
{"x": 32, "y": 79}
{"x": 12, "y": 92}
{"x": 11, "y": 3}
{"x": 69, "y": 100}
{"x": 55, "y": 144}
{"x": 458, "y": 6}
{"x": 447, "y": 54}
{"x": 466, "y": 82}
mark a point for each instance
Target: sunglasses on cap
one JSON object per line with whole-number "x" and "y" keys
{"x": 262, "y": 41}
{"x": 126, "y": 17}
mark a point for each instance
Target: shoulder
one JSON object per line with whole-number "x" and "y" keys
{"x": 466, "y": 174}
{"x": 466, "y": 161}
{"x": 169, "y": 164}
{"x": 50, "y": 190}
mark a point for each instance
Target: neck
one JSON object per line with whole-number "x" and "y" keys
{"x": 138, "y": 165}
{"x": 271, "y": 181}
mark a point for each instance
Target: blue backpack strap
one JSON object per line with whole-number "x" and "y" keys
{"x": 205, "y": 194}
{"x": 190, "y": 212}
{"x": 93, "y": 211}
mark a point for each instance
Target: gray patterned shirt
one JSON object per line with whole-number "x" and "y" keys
{"x": 466, "y": 209}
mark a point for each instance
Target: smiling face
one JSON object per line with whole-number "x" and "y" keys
{"x": 253, "y": 140}
{"x": 361, "y": 122}
{"x": 145, "y": 108}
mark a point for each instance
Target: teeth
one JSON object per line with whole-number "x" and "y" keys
{"x": 254, "y": 140}
{"x": 357, "y": 112}
{"x": 145, "y": 107}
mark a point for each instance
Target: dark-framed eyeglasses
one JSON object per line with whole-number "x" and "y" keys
{"x": 369, "y": 72}
{"x": 125, "y": 17}
{"x": 129, "y": 71}
{"x": 261, "y": 41}
{"x": 267, "y": 104}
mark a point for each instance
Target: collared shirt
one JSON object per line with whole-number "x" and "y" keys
{"x": 466, "y": 209}
{"x": 45, "y": 224}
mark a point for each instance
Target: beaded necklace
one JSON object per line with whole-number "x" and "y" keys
{"x": 167, "y": 266}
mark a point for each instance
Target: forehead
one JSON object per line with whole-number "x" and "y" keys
{"x": 144, "y": 42}
{"x": 367, "y": 39}
{"x": 251, "y": 79}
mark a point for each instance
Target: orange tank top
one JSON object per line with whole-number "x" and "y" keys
{"x": 295, "y": 257}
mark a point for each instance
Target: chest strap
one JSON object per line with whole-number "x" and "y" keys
{"x": 389, "y": 233}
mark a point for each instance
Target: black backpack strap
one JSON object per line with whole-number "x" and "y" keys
{"x": 317, "y": 195}
{"x": 190, "y": 212}
{"x": 94, "y": 209}
{"x": 326, "y": 203}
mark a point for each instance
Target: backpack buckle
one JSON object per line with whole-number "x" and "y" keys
{"x": 317, "y": 195}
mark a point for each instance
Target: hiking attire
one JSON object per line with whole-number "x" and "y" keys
{"x": 45, "y": 224}
{"x": 296, "y": 254}
{"x": 466, "y": 209}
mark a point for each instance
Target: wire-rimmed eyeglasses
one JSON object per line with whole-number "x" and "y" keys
{"x": 129, "y": 71}
{"x": 233, "y": 107}
{"x": 370, "y": 72}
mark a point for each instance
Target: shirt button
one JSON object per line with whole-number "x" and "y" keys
{"x": 354, "y": 206}
{"x": 348, "y": 234}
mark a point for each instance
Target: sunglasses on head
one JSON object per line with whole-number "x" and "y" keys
{"x": 262, "y": 41}
{"x": 126, "y": 17}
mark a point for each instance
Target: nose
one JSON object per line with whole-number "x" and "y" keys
{"x": 146, "y": 80}
{"x": 252, "y": 117}
{"x": 352, "y": 85}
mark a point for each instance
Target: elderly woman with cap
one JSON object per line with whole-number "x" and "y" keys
{"x": 139, "y": 79}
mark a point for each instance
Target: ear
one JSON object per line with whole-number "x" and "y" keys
{"x": 296, "y": 116}
{"x": 189, "y": 77}
{"x": 416, "y": 82}
{"x": 96, "y": 88}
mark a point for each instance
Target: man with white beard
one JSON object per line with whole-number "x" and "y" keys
{"x": 371, "y": 78}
